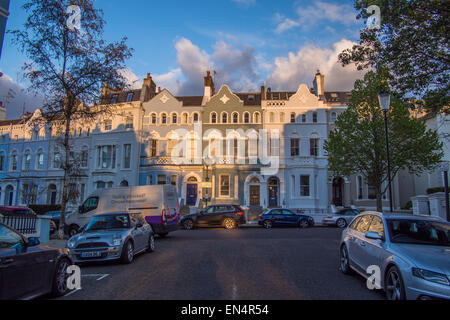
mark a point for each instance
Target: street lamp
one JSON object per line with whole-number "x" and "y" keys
{"x": 385, "y": 101}
{"x": 206, "y": 164}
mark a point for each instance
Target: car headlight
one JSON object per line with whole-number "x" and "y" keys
{"x": 71, "y": 243}
{"x": 117, "y": 242}
{"x": 431, "y": 276}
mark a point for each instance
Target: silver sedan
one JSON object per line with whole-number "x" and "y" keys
{"x": 341, "y": 219}
{"x": 406, "y": 256}
{"x": 112, "y": 236}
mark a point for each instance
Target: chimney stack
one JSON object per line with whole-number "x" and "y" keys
{"x": 209, "y": 88}
{"x": 263, "y": 91}
{"x": 319, "y": 84}
{"x": 159, "y": 89}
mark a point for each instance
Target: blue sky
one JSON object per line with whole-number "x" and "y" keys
{"x": 246, "y": 41}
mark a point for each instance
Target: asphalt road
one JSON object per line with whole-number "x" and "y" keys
{"x": 217, "y": 264}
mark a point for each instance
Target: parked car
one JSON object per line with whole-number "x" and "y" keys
{"x": 342, "y": 218}
{"x": 112, "y": 236}
{"x": 56, "y": 215}
{"x": 284, "y": 218}
{"x": 158, "y": 204}
{"x": 224, "y": 215}
{"x": 16, "y": 210}
{"x": 28, "y": 269}
{"x": 412, "y": 252}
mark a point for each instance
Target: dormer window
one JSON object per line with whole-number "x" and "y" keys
{"x": 130, "y": 97}
{"x": 108, "y": 125}
{"x": 251, "y": 97}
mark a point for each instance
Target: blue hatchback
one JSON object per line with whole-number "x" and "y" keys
{"x": 284, "y": 217}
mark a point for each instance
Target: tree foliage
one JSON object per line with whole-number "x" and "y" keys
{"x": 357, "y": 144}
{"x": 68, "y": 66}
{"x": 412, "y": 45}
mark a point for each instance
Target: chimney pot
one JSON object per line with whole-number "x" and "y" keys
{"x": 159, "y": 89}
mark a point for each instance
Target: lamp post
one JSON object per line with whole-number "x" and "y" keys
{"x": 443, "y": 167}
{"x": 205, "y": 199}
{"x": 385, "y": 101}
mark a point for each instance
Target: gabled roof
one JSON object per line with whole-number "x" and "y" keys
{"x": 121, "y": 96}
{"x": 250, "y": 98}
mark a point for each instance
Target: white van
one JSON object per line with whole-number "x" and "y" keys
{"x": 159, "y": 205}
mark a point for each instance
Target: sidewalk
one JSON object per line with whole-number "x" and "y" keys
{"x": 55, "y": 243}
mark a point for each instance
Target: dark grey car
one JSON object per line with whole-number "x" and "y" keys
{"x": 112, "y": 236}
{"x": 29, "y": 270}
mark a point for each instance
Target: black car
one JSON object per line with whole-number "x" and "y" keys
{"x": 284, "y": 218}
{"x": 225, "y": 215}
{"x": 29, "y": 270}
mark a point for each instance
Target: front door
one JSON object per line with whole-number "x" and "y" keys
{"x": 255, "y": 196}
{"x": 191, "y": 194}
{"x": 273, "y": 196}
{"x": 337, "y": 192}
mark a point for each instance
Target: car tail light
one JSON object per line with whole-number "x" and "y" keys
{"x": 163, "y": 220}
{"x": 240, "y": 213}
{"x": 261, "y": 216}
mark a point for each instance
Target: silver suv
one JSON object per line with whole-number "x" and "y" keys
{"x": 411, "y": 253}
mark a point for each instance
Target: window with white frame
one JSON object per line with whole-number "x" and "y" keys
{"x": 246, "y": 117}
{"x": 154, "y": 118}
{"x": 293, "y": 117}
{"x": 108, "y": 125}
{"x": 256, "y": 117}
{"x": 14, "y": 162}
{"x": 295, "y": 147}
{"x": 153, "y": 148}
{"x": 27, "y": 161}
{"x": 114, "y": 98}
{"x": 196, "y": 117}
{"x": 314, "y": 147}
{"x": 106, "y": 157}
{"x": 305, "y": 186}
{"x": 129, "y": 123}
{"x": 174, "y": 118}
{"x": 130, "y": 97}
{"x": 224, "y": 117}
{"x": 235, "y": 117}
{"x": 2, "y": 161}
{"x": 40, "y": 160}
{"x": 84, "y": 157}
{"x": 162, "y": 179}
{"x": 164, "y": 118}
{"x": 224, "y": 186}
{"x": 314, "y": 117}
{"x": 57, "y": 162}
{"x": 127, "y": 156}
{"x": 213, "y": 117}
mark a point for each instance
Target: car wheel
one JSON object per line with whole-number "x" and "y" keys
{"x": 163, "y": 234}
{"x": 345, "y": 261}
{"x": 59, "y": 286}
{"x": 303, "y": 224}
{"x": 341, "y": 223}
{"x": 395, "y": 289}
{"x": 73, "y": 230}
{"x": 229, "y": 224}
{"x": 128, "y": 252}
{"x": 151, "y": 243}
{"x": 188, "y": 224}
{"x": 267, "y": 224}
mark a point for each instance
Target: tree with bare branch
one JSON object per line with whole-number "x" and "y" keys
{"x": 69, "y": 63}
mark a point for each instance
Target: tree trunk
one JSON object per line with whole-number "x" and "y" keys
{"x": 62, "y": 220}
{"x": 379, "y": 198}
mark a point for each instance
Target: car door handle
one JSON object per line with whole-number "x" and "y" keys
{"x": 7, "y": 261}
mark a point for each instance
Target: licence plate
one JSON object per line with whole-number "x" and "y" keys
{"x": 92, "y": 254}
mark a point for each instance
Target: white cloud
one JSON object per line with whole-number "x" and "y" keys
{"x": 342, "y": 13}
{"x": 21, "y": 100}
{"x": 132, "y": 80}
{"x": 170, "y": 81}
{"x": 301, "y": 67}
{"x": 284, "y": 24}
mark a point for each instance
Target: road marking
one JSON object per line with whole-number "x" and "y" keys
{"x": 99, "y": 276}
{"x": 73, "y": 291}
{"x": 103, "y": 277}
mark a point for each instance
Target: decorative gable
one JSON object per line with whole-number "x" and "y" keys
{"x": 225, "y": 97}
{"x": 303, "y": 98}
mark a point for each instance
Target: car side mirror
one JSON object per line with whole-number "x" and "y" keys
{"x": 33, "y": 241}
{"x": 373, "y": 235}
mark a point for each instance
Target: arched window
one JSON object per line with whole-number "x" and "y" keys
{"x": 57, "y": 164}
{"x": 185, "y": 118}
{"x": 40, "y": 160}
{"x": 235, "y": 117}
{"x": 213, "y": 117}
{"x": 195, "y": 117}
{"x": 153, "y": 118}
{"x": 246, "y": 117}
{"x": 256, "y": 117}
{"x": 27, "y": 160}
{"x": 224, "y": 117}
{"x": 124, "y": 183}
{"x": 164, "y": 118}
{"x": 14, "y": 162}
{"x": 174, "y": 118}
{"x": 84, "y": 157}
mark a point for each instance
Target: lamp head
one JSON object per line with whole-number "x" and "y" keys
{"x": 385, "y": 100}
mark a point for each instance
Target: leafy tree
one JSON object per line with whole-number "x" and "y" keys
{"x": 357, "y": 144}
{"x": 68, "y": 66}
{"x": 412, "y": 44}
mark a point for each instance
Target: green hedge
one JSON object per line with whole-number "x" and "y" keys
{"x": 44, "y": 208}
